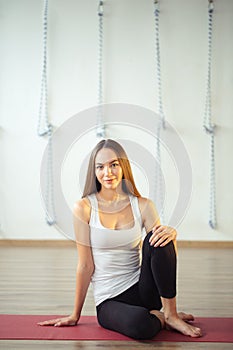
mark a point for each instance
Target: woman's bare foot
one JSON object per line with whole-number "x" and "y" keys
{"x": 178, "y": 323}
{"x": 183, "y": 316}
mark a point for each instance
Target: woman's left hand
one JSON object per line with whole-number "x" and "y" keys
{"x": 162, "y": 235}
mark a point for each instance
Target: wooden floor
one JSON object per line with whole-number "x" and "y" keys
{"x": 41, "y": 280}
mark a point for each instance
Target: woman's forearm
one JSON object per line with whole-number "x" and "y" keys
{"x": 83, "y": 278}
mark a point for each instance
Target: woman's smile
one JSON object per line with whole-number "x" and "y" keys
{"x": 109, "y": 180}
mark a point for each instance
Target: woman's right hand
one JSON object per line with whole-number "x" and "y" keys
{"x": 59, "y": 322}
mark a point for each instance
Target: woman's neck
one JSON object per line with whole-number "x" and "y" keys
{"x": 111, "y": 195}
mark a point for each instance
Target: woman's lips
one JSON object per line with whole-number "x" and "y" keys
{"x": 109, "y": 181}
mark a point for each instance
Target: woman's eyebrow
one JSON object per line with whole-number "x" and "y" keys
{"x": 112, "y": 161}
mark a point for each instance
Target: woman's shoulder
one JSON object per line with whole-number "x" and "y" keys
{"x": 82, "y": 208}
{"x": 145, "y": 202}
{"x": 146, "y": 206}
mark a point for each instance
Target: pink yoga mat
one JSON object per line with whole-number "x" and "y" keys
{"x": 218, "y": 330}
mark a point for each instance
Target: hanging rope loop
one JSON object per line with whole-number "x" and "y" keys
{"x": 208, "y": 126}
{"x": 210, "y": 130}
{"x": 100, "y": 127}
{"x": 161, "y": 122}
{"x": 158, "y": 65}
{"x": 46, "y": 130}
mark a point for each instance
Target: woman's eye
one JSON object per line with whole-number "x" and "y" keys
{"x": 114, "y": 165}
{"x": 99, "y": 167}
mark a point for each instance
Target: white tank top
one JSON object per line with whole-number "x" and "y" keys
{"x": 116, "y": 253}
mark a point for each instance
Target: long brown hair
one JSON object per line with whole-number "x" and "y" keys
{"x": 92, "y": 185}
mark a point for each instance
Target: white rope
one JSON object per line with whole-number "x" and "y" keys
{"x": 46, "y": 129}
{"x": 100, "y": 127}
{"x": 43, "y": 130}
{"x": 208, "y": 125}
{"x": 161, "y": 123}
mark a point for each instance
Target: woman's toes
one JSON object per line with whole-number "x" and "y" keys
{"x": 195, "y": 332}
{"x": 198, "y": 331}
{"x": 180, "y": 325}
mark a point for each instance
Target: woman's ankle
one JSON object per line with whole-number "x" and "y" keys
{"x": 169, "y": 308}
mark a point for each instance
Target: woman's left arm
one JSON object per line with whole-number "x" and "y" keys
{"x": 161, "y": 235}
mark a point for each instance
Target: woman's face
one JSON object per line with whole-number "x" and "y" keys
{"x": 107, "y": 169}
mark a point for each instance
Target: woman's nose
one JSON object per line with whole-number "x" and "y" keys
{"x": 107, "y": 170}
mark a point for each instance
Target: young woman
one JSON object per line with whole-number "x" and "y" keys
{"x": 132, "y": 277}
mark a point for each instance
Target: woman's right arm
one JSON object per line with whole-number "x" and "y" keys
{"x": 85, "y": 266}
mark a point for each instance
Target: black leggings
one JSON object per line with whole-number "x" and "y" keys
{"x": 129, "y": 312}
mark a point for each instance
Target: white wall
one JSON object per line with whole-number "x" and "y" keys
{"x": 129, "y": 77}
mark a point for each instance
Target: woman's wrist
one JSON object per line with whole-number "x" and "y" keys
{"x": 75, "y": 315}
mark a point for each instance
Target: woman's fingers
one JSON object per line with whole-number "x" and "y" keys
{"x": 169, "y": 239}
{"x": 58, "y": 322}
{"x": 49, "y": 322}
{"x": 165, "y": 239}
{"x": 162, "y": 235}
